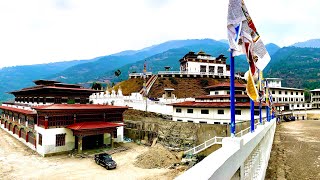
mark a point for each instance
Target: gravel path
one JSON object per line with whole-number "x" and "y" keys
{"x": 19, "y": 162}
{"x": 296, "y": 151}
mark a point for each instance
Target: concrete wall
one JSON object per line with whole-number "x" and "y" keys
{"x": 249, "y": 153}
{"x": 49, "y": 140}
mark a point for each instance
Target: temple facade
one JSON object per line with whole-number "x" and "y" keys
{"x": 194, "y": 64}
{"x": 52, "y": 117}
{"x": 215, "y": 107}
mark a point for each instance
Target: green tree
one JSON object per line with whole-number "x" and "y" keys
{"x": 96, "y": 86}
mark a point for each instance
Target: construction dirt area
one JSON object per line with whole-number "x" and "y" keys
{"x": 137, "y": 162}
{"x": 296, "y": 151}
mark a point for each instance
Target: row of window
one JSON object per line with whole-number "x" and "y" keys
{"x": 286, "y": 99}
{"x": 206, "y": 111}
{"x": 299, "y": 105}
{"x": 286, "y": 92}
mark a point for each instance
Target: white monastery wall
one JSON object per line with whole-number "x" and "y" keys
{"x": 213, "y": 115}
{"x": 137, "y": 101}
{"x": 49, "y": 140}
{"x": 195, "y": 67}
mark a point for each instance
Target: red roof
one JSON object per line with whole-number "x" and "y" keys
{"x": 226, "y": 84}
{"x": 78, "y": 107}
{"x": 213, "y": 104}
{"x": 23, "y": 111}
{"x": 93, "y": 125}
{"x": 279, "y": 104}
{"x": 55, "y": 87}
{"x": 221, "y": 96}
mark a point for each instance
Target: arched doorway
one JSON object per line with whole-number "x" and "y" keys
{"x": 10, "y": 127}
{"x": 15, "y": 130}
{"x": 31, "y": 138}
{"x": 23, "y": 134}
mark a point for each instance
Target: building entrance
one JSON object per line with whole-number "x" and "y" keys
{"x": 90, "y": 142}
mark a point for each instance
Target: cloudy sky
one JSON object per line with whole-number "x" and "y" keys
{"x": 43, "y": 31}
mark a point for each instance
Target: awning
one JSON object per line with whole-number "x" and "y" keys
{"x": 93, "y": 125}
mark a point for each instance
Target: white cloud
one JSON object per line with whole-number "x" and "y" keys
{"x": 38, "y": 31}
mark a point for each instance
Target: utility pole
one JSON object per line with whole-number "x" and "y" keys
{"x": 144, "y": 83}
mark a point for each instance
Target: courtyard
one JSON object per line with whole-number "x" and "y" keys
{"x": 19, "y": 162}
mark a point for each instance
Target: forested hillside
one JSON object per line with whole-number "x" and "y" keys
{"x": 298, "y": 67}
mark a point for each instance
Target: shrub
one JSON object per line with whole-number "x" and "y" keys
{"x": 173, "y": 80}
{"x": 204, "y": 82}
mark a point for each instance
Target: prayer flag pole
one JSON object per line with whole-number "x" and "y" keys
{"x": 232, "y": 98}
{"x": 260, "y": 112}
{"x": 252, "y": 115}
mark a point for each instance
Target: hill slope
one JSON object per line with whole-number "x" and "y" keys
{"x": 171, "y": 58}
{"x": 312, "y": 43}
{"x": 298, "y": 67}
{"x": 17, "y": 77}
{"x": 98, "y": 67}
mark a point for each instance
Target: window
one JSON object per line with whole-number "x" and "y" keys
{"x": 180, "y": 120}
{"x": 228, "y": 92}
{"x": 190, "y": 121}
{"x": 286, "y": 92}
{"x": 256, "y": 112}
{"x": 297, "y": 105}
{"x": 286, "y": 99}
{"x": 216, "y": 92}
{"x": 40, "y": 139}
{"x": 301, "y": 99}
{"x": 296, "y": 93}
{"x": 292, "y": 99}
{"x": 220, "y": 111}
{"x": 297, "y": 99}
{"x": 272, "y": 92}
{"x": 203, "y": 68}
{"x": 203, "y": 122}
{"x": 189, "y": 110}
{"x": 280, "y": 99}
{"x": 238, "y": 112}
{"x": 291, "y": 93}
{"x": 211, "y": 69}
{"x": 204, "y": 111}
{"x": 301, "y": 93}
{"x": 178, "y": 110}
{"x": 279, "y": 92}
{"x": 60, "y": 139}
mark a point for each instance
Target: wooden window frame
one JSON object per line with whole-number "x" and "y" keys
{"x": 60, "y": 140}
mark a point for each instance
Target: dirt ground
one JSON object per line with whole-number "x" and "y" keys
{"x": 296, "y": 151}
{"x": 19, "y": 162}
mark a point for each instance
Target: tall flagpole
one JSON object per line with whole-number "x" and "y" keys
{"x": 252, "y": 115}
{"x": 232, "y": 99}
{"x": 260, "y": 112}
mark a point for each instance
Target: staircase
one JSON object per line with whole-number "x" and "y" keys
{"x": 205, "y": 145}
{"x": 149, "y": 84}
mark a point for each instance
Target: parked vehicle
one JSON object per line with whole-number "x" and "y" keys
{"x": 105, "y": 160}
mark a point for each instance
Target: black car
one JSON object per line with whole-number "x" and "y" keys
{"x": 105, "y": 160}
